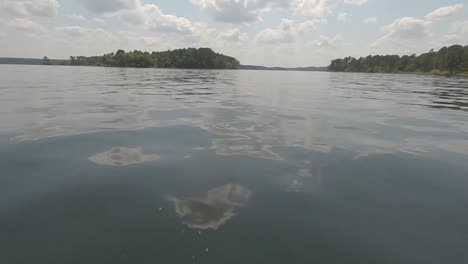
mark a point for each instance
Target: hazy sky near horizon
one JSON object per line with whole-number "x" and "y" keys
{"x": 261, "y": 32}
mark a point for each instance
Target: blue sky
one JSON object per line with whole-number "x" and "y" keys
{"x": 262, "y": 32}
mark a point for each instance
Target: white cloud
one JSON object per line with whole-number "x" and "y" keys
{"x": 409, "y": 35}
{"x": 233, "y": 35}
{"x": 404, "y": 34}
{"x": 26, "y": 8}
{"x": 229, "y": 11}
{"x": 325, "y": 42}
{"x": 284, "y": 33}
{"x": 151, "y": 41}
{"x": 179, "y": 31}
{"x": 78, "y": 31}
{"x": 325, "y": 48}
{"x": 78, "y": 39}
{"x": 287, "y": 31}
{"x": 370, "y": 20}
{"x": 235, "y": 11}
{"x": 308, "y": 25}
{"x": 407, "y": 27}
{"x": 99, "y": 20}
{"x": 355, "y": 2}
{"x": 457, "y": 33}
{"x": 28, "y": 26}
{"x": 109, "y": 6}
{"x": 152, "y": 18}
{"x": 155, "y": 19}
{"x": 460, "y": 27}
{"x": 343, "y": 17}
{"x": 444, "y": 11}
{"x": 62, "y": 41}
{"x": 316, "y": 8}
{"x": 77, "y": 18}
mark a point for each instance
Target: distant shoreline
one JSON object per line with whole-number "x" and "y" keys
{"x": 263, "y": 68}
{"x": 242, "y": 67}
{"x": 187, "y": 58}
{"x": 448, "y": 61}
{"x": 58, "y": 62}
{"x": 443, "y": 74}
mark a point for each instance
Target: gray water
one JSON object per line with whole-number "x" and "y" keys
{"x": 108, "y": 165}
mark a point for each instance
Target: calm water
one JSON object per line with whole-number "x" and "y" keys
{"x": 106, "y": 165}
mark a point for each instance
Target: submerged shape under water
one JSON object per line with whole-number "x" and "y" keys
{"x": 214, "y": 209}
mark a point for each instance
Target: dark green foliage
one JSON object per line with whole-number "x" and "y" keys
{"x": 203, "y": 58}
{"x": 450, "y": 60}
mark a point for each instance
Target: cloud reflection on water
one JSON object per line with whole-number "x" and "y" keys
{"x": 252, "y": 112}
{"x": 235, "y": 146}
{"x": 214, "y": 209}
{"x": 123, "y": 157}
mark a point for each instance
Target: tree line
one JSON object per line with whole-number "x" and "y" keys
{"x": 448, "y": 60}
{"x": 190, "y": 58}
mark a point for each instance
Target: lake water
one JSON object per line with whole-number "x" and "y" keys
{"x": 108, "y": 165}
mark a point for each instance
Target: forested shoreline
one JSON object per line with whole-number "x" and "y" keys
{"x": 190, "y": 58}
{"x": 451, "y": 60}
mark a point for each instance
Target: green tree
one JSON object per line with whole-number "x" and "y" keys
{"x": 203, "y": 58}
{"x": 453, "y": 59}
{"x": 46, "y": 61}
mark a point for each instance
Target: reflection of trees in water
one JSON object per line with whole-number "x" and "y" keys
{"x": 429, "y": 91}
{"x": 451, "y": 94}
{"x": 391, "y": 101}
{"x": 214, "y": 209}
{"x": 115, "y": 99}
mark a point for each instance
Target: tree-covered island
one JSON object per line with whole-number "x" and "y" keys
{"x": 190, "y": 58}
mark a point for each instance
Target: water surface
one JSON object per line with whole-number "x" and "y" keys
{"x": 108, "y": 165}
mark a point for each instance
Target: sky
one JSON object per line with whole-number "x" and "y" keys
{"x": 289, "y": 33}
